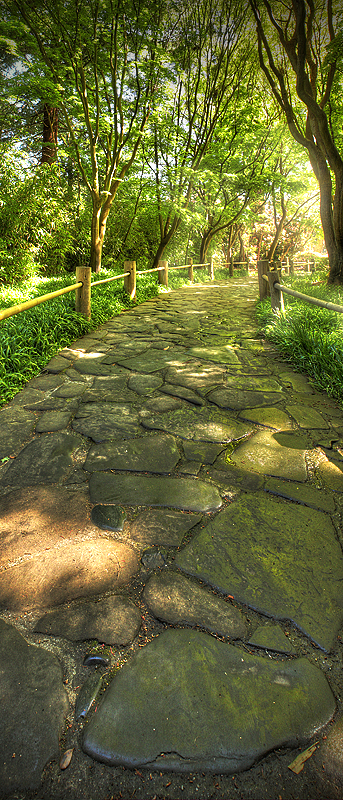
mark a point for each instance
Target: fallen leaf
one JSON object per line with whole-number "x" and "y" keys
{"x": 298, "y": 763}
{"x": 66, "y": 758}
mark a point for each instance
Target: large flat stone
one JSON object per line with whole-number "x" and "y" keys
{"x": 159, "y": 526}
{"x": 188, "y": 702}
{"x": 283, "y": 560}
{"x": 46, "y": 459}
{"x": 222, "y": 355}
{"x": 36, "y": 518}
{"x": 269, "y": 416}
{"x": 17, "y": 425}
{"x": 149, "y": 454}
{"x": 307, "y": 417}
{"x": 238, "y": 399}
{"x": 175, "y": 599}
{"x": 139, "y": 490}
{"x": 195, "y": 376}
{"x": 104, "y": 421}
{"x": 154, "y": 360}
{"x": 33, "y": 706}
{"x": 277, "y": 454}
{"x": 301, "y": 493}
{"x": 208, "y": 425}
{"x": 62, "y": 573}
{"x": 114, "y": 620}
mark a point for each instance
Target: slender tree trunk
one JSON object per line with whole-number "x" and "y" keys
{"x": 165, "y": 239}
{"x": 50, "y": 130}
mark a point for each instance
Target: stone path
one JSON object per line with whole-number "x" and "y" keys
{"x": 171, "y": 587}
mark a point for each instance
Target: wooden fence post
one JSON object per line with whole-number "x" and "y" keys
{"x": 190, "y": 270}
{"x": 211, "y": 268}
{"x": 83, "y": 294}
{"x": 163, "y": 273}
{"x": 130, "y": 280}
{"x": 276, "y": 295}
{"x": 263, "y": 269}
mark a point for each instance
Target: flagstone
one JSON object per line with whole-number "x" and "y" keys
{"x": 307, "y": 417}
{"x": 112, "y": 620}
{"x": 269, "y": 416}
{"x": 148, "y": 454}
{"x": 188, "y": 702}
{"x": 301, "y": 493}
{"x": 175, "y": 599}
{"x": 209, "y": 425}
{"x": 33, "y": 707}
{"x": 282, "y": 560}
{"x": 276, "y": 454}
{"x": 46, "y": 459}
{"x": 159, "y": 526}
{"x": 103, "y": 421}
{"x": 17, "y": 425}
{"x": 239, "y": 399}
{"x": 137, "y": 490}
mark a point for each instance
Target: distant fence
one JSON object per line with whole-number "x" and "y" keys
{"x": 270, "y": 285}
{"x": 84, "y": 284}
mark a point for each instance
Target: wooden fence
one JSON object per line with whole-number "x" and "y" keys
{"x": 270, "y": 285}
{"x": 84, "y": 284}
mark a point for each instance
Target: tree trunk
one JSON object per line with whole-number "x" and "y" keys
{"x": 50, "y": 130}
{"x": 98, "y": 230}
{"x": 165, "y": 239}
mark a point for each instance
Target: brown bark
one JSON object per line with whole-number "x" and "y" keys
{"x": 50, "y": 131}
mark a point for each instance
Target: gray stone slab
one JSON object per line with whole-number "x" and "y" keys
{"x": 221, "y": 355}
{"x": 46, "y": 459}
{"x": 276, "y": 454}
{"x": 46, "y": 382}
{"x": 53, "y": 403}
{"x": 108, "y": 518}
{"x": 161, "y": 403}
{"x": 283, "y": 560}
{"x": 188, "y": 702}
{"x": 158, "y": 526}
{"x": 148, "y": 454}
{"x": 232, "y": 478}
{"x": 67, "y": 570}
{"x": 307, "y": 417}
{"x": 301, "y": 493}
{"x": 138, "y": 490}
{"x": 154, "y": 360}
{"x": 33, "y": 707}
{"x": 208, "y": 425}
{"x": 271, "y": 637}
{"x": 71, "y": 389}
{"x": 206, "y": 452}
{"x": 57, "y": 364}
{"x": 92, "y": 366}
{"x": 145, "y": 384}
{"x": 175, "y": 599}
{"x": 255, "y": 383}
{"x": 239, "y": 399}
{"x": 184, "y": 393}
{"x": 196, "y": 375}
{"x": 53, "y": 421}
{"x": 17, "y": 425}
{"x": 113, "y": 620}
{"x": 269, "y": 416}
{"x": 104, "y": 421}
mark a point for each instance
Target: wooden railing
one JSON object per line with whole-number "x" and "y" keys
{"x": 84, "y": 284}
{"x": 270, "y": 284}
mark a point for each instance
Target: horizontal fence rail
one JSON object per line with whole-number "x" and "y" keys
{"x": 84, "y": 285}
{"x": 11, "y": 312}
{"x": 271, "y": 280}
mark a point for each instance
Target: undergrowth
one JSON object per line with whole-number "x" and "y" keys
{"x": 30, "y": 339}
{"x": 307, "y": 336}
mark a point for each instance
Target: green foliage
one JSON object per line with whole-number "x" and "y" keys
{"x": 309, "y": 337}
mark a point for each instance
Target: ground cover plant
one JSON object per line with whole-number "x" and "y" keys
{"x": 307, "y": 336}
{"x": 30, "y": 339}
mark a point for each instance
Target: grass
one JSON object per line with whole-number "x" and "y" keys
{"x": 30, "y": 339}
{"x": 308, "y": 337}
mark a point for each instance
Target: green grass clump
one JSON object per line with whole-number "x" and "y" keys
{"x": 309, "y": 337}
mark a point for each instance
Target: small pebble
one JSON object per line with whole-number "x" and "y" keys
{"x": 66, "y": 758}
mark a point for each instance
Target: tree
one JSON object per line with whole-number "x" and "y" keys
{"x": 100, "y": 61}
{"x": 293, "y": 38}
{"x": 210, "y": 61}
